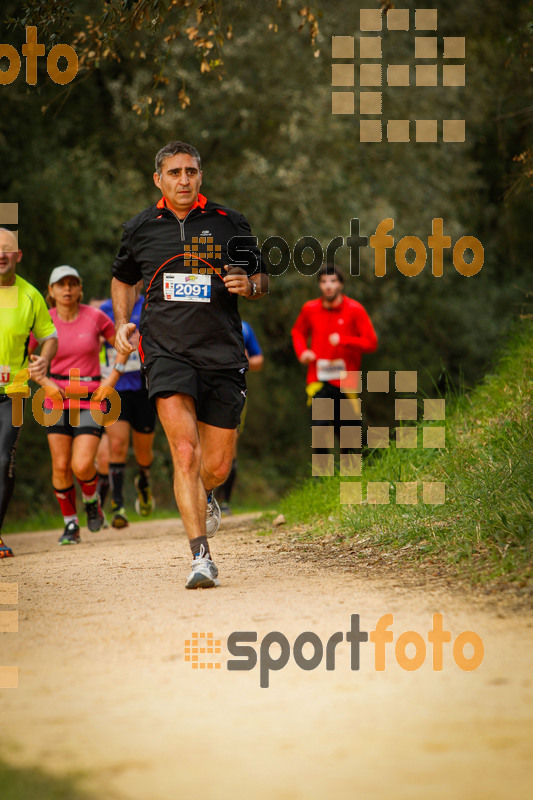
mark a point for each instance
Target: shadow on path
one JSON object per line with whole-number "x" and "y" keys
{"x": 34, "y": 784}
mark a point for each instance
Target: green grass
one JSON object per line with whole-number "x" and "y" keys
{"x": 485, "y": 526}
{"x": 45, "y": 520}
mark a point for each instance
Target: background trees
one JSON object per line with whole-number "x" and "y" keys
{"x": 254, "y": 94}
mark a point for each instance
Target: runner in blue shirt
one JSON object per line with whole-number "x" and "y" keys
{"x": 137, "y": 417}
{"x": 255, "y": 361}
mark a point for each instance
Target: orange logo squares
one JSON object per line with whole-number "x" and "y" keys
{"x": 202, "y": 247}
{"x": 374, "y": 71}
{"x": 202, "y": 644}
{"x": 9, "y": 623}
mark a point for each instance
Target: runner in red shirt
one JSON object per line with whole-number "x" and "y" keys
{"x": 330, "y": 336}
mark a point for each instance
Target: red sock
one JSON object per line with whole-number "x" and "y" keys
{"x": 67, "y": 500}
{"x": 88, "y": 488}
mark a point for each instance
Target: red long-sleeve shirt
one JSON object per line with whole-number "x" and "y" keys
{"x": 349, "y": 320}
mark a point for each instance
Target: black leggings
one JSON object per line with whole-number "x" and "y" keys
{"x": 9, "y": 436}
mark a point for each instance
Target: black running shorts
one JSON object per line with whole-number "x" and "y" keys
{"x": 136, "y": 408}
{"x": 87, "y": 425}
{"x": 219, "y": 395}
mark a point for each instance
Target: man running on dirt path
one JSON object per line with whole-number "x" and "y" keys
{"x": 191, "y": 344}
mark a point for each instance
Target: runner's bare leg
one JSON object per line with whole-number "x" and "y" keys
{"x": 142, "y": 447}
{"x": 218, "y": 447}
{"x": 119, "y": 439}
{"x": 84, "y": 449}
{"x": 178, "y": 418}
{"x": 61, "y": 452}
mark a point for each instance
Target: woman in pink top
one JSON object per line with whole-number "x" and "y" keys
{"x": 73, "y": 447}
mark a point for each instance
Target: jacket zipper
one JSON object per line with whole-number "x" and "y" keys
{"x": 181, "y": 222}
{"x": 182, "y": 229}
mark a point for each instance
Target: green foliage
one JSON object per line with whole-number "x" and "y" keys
{"x": 486, "y": 523}
{"x": 113, "y": 30}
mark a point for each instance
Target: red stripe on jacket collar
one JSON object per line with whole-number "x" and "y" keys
{"x": 199, "y": 203}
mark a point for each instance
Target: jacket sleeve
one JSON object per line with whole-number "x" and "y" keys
{"x": 125, "y": 268}
{"x": 365, "y": 340}
{"x": 300, "y": 333}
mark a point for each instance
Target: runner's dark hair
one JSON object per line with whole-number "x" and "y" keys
{"x": 172, "y": 149}
{"x": 330, "y": 269}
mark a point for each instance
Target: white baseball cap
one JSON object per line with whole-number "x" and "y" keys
{"x": 63, "y": 272}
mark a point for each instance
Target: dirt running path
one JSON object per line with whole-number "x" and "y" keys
{"x": 104, "y": 689}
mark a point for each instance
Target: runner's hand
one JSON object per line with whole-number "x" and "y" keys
{"x": 38, "y": 368}
{"x": 334, "y": 339}
{"x": 50, "y": 384}
{"x": 237, "y": 281}
{"x": 122, "y": 343}
{"x": 307, "y": 357}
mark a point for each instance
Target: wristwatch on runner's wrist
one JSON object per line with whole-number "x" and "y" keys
{"x": 253, "y": 286}
{"x": 120, "y": 368}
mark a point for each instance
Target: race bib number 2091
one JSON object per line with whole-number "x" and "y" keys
{"x": 187, "y": 288}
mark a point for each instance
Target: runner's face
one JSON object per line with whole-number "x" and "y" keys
{"x": 330, "y": 287}
{"x": 67, "y": 291}
{"x": 180, "y": 181}
{"x": 9, "y": 255}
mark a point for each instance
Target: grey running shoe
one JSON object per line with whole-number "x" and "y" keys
{"x": 95, "y": 515}
{"x": 71, "y": 534}
{"x": 212, "y": 519}
{"x": 204, "y": 572}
